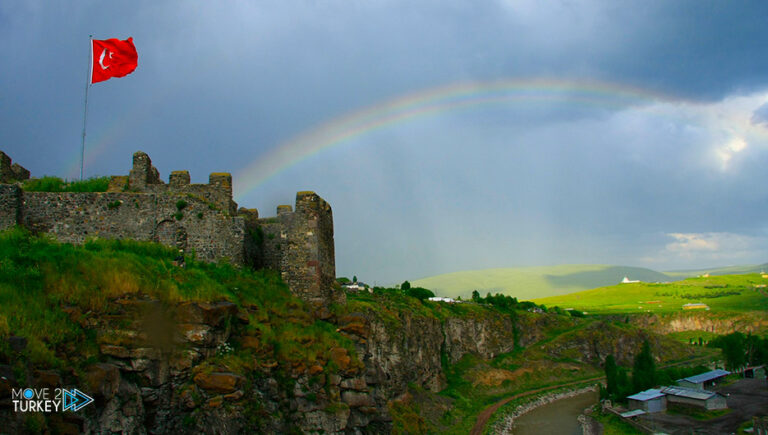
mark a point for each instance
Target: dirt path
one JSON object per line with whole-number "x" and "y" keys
{"x": 485, "y": 415}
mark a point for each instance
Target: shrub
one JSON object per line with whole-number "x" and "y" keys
{"x": 419, "y": 293}
{"x": 56, "y": 184}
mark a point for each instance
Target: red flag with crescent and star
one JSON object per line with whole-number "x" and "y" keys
{"x": 112, "y": 58}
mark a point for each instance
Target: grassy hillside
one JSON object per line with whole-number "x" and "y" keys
{"x": 720, "y": 293}
{"x": 730, "y": 270}
{"x": 70, "y": 303}
{"x": 532, "y": 282}
{"x": 43, "y": 282}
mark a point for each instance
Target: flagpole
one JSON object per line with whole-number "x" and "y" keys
{"x": 85, "y": 109}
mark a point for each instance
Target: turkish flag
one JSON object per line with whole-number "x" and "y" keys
{"x": 112, "y": 58}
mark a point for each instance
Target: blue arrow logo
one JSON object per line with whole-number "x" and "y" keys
{"x": 75, "y": 400}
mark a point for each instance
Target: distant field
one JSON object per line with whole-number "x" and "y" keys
{"x": 720, "y": 293}
{"x": 533, "y": 282}
{"x": 730, "y": 270}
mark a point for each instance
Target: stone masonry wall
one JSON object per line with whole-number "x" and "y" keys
{"x": 145, "y": 178}
{"x": 76, "y": 217}
{"x": 10, "y": 173}
{"x": 300, "y": 245}
{"x": 194, "y": 217}
{"x": 10, "y": 205}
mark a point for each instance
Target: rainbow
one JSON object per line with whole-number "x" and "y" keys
{"x": 101, "y": 138}
{"x": 433, "y": 101}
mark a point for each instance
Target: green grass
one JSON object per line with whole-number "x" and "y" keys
{"x": 730, "y": 270}
{"x": 40, "y": 280}
{"x": 530, "y": 282}
{"x": 56, "y": 184}
{"x": 474, "y": 384}
{"x": 692, "y": 337}
{"x": 727, "y": 293}
{"x": 614, "y": 425}
{"x": 388, "y": 303}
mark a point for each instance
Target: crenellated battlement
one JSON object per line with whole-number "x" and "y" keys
{"x": 300, "y": 245}
{"x": 199, "y": 218}
{"x": 11, "y": 172}
{"x": 145, "y": 178}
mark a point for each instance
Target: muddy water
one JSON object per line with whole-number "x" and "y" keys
{"x": 558, "y": 417}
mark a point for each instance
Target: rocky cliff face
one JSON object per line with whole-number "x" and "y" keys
{"x": 163, "y": 368}
{"x": 701, "y": 321}
{"x": 172, "y": 369}
{"x": 592, "y": 343}
{"x": 486, "y": 337}
{"x": 411, "y": 349}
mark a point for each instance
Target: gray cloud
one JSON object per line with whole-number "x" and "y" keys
{"x": 760, "y": 115}
{"x": 220, "y": 85}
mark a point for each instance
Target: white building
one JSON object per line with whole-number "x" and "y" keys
{"x": 442, "y": 299}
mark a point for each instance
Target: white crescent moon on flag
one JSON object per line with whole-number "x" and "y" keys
{"x": 101, "y": 58}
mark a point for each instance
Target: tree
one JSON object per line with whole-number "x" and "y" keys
{"x": 623, "y": 386}
{"x": 354, "y": 278}
{"x": 734, "y": 349}
{"x": 475, "y": 296}
{"x": 611, "y": 373}
{"x": 760, "y": 353}
{"x": 644, "y": 370}
{"x": 405, "y": 285}
{"x": 419, "y": 293}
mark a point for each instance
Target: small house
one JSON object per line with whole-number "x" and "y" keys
{"x": 626, "y": 280}
{"x": 649, "y": 401}
{"x": 703, "y": 380}
{"x": 708, "y": 400}
{"x": 355, "y": 286}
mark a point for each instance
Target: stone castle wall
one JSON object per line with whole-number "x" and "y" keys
{"x": 199, "y": 218}
{"x": 300, "y": 245}
{"x": 76, "y": 217}
{"x": 10, "y": 205}
{"x": 11, "y": 172}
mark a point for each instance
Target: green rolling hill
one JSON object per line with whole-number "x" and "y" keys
{"x": 729, "y": 270}
{"x": 724, "y": 293}
{"x": 534, "y": 282}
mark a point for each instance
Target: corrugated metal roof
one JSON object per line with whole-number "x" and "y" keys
{"x": 646, "y": 395}
{"x": 707, "y": 376}
{"x": 687, "y": 392}
{"x": 632, "y": 413}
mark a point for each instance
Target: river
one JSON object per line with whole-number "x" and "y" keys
{"x": 558, "y": 417}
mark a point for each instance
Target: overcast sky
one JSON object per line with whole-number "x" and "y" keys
{"x": 447, "y": 135}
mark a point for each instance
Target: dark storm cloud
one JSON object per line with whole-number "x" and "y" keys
{"x": 221, "y": 84}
